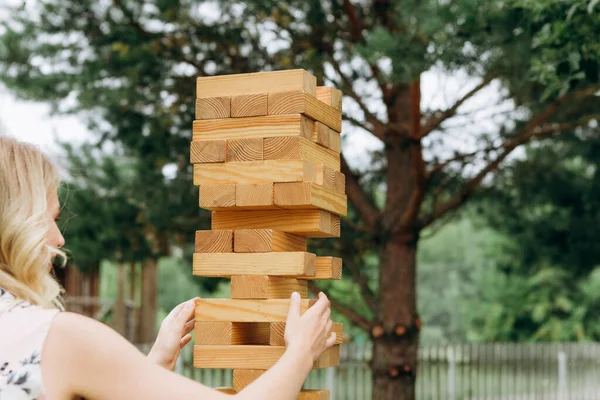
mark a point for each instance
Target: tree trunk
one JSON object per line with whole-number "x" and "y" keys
{"x": 396, "y": 334}
{"x": 119, "y": 310}
{"x": 395, "y": 351}
{"x": 148, "y": 308}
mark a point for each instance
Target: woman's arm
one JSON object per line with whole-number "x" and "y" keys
{"x": 82, "y": 357}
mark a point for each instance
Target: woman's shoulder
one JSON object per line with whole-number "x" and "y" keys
{"x": 23, "y": 330}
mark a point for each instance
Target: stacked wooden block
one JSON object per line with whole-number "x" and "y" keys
{"x": 266, "y": 155}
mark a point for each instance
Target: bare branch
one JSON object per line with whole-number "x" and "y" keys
{"x": 346, "y": 311}
{"x": 531, "y": 130}
{"x": 348, "y": 89}
{"x": 366, "y": 210}
{"x": 435, "y": 122}
{"x": 460, "y": 157}
{"x": 358, "y": 123}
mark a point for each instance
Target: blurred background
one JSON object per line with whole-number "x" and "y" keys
{"x": 470, "y": 148}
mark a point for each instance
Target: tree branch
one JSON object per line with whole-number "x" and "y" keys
{"x": 348, "y": 89}
{"x": 435, "y": 122}
{"x": 361, "y": 202}
{"x": 358, "y": 123}
{"x": 363, "y": 283}
{"x": 459, "y": 157}
{"x": 530, "y": 131}
{"x": 346, "y": 311}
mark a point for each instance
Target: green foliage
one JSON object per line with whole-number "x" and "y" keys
{"x": 548, "y": 206}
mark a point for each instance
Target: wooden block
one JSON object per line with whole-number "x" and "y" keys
{"x": 327, "y": 268}
{"x": 277, "y": 333}
{"x": 307, "y": 394}
{"x": 235, "y": 310}
{"x": 213, "y": 108}
{"x": 213, "y": 333}
{"x": 298, "y": 102}
{"x": 335, "y": 141}
{"x": 330, "y": 96}
{"x": 253, "y": 127}
{"x": 225, "y": 390}
{"x": 306, "y": 223}
{"x": 321, "y": 134}
{"x": 215, "y": 241}
{"x": 330, "y": 179}
{"x": 217, "y": 197}
{"x": 208, "y": 151}
{"x": 278, "y": 264}
{"x": 249, "y": 105}
{"x": 252, "y": 357}
{"x": 257, "y": 82}
{"x": 254, "y": 196}
{"x": 329, "y": 358}
{"x": 325, "y": 136}
{"x": 232, "y": 333}
{"x": 244, "y": 377}
{"x": 244, "y": 150}
{"x": 296, "y": 148}
{"x": 307, "y": 195}
{"x": 267, "y": 240}
{"x": 255, "y": 172}
{"x": 312, "y": 394}
{"x": 266, "y": 287}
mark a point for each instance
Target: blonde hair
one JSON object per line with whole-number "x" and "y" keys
{"x": 27, "y": 179}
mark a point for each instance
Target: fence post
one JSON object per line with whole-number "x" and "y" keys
{"x": 330, "y": 382}
{"x": 562, "y": 375}
{"x": 451, "y": 373}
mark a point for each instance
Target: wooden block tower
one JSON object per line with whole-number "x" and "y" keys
{"x": 266, "y": 155}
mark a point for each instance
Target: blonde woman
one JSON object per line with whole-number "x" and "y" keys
{"x": 54, "y": 355}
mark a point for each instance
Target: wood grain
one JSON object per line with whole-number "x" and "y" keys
{"x": 213, "y": 108}
{"x": 217, "y": 197}
{"x": 256, "y": 82}
{"x": 255, "y": 172}
{"x": 266, "y": 287}
{"x": 330, "y": 96}
{"x": 249, "y": 105}
{"x": 331, "y": 179}
{"x": 307, "y": 195}
{"x": 253, "y": 127}
{"x": 215, "y": 241}
{"x": 306, "y": 223}
{"x": 244, "y": 377}
{"x": 213, "y": 333}
{"x": 235, "y": 310}
{"x": 298, "y": 102}
{"x": 232, "y": 333}
{"x": 254, "y": 196}
{"x": 321, "y": 134}
{"x": 279, "y": 264}
{"x": 296, "y": 148}
{"x": 253, "y": 357}
{"x": 244, "y": 150}
{"x": 327, "y": 268}
{"x": 267, "y": 240}
{"x": 208, "y": 151}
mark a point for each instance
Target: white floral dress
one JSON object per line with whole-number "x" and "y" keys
{"x": 23, "y": 330}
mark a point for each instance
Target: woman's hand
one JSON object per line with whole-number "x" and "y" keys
{"x": 311, "y": 331}
{"x": 174, "y": 335}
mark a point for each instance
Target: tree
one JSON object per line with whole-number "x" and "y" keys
{"x": 134, "y": 64}
{"x": 547, "y": 205}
